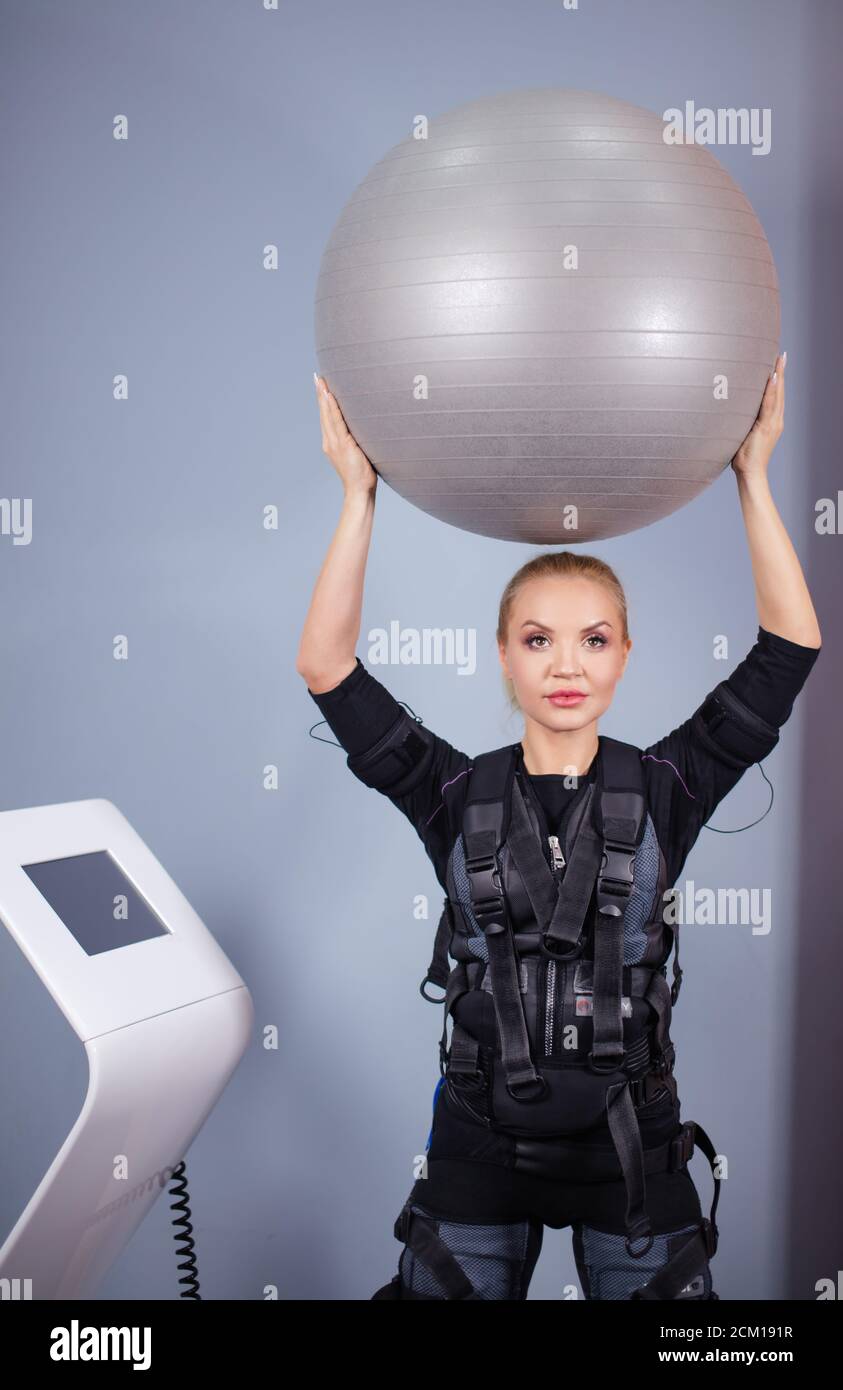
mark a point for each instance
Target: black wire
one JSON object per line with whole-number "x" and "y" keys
{"x": 752, "y": 822}
{"x": 185, "y": 1234}
{"x": 319, "y": 738}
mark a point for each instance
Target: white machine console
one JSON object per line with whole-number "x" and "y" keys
{"x": 160, "y": 1010}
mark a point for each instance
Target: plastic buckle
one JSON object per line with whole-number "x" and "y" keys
{"x": 616, "y": 871}
{"x": 487, "y": 894}
{"x": 643, "y": 1089}
{"x": 487, "y": 866}
{"x": 709, "y": 1235}
{"x": 682, "y": 1147}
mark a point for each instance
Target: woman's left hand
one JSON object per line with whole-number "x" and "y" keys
{"x": 753, "y": 456}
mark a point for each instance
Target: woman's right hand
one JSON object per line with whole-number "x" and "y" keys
{"x": 339, "y": 444}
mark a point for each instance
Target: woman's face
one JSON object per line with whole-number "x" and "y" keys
{"x": 565, "y": 633}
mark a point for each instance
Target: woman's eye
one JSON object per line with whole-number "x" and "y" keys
{"x": 593, "y": 636}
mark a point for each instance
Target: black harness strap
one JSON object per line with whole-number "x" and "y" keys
{"x": 658, "y": 995}
{"x": 522, "y": 1079}
{"x": 623, "y": 1124}
{"x": 669, "y": 1281}
{"x": 438, "y": 970}
{"x": 560, "y": 905}
{"x": 419, "y": 1233}
{"x": 677, "y": 973}
{"x": 464, "y": 1050}
{"x": 607, "y": 1050}
{"x": 702, "y": 1140}
{"x": 619, "y": 813}
{"x": 485, "y": 827}
{"x": 463, "y": 1054}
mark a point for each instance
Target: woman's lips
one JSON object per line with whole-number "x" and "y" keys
{"x": 566, "y": 699}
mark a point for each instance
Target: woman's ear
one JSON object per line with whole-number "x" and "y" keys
{"x": 502, "y": 656}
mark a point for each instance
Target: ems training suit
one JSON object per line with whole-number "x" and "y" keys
{"x": 472, "y": 1229}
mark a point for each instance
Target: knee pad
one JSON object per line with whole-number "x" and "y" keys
{"x": 607, "y": 1271}
{"x": 465, "y": 1260}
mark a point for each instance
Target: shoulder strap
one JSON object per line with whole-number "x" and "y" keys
{"x": 488, "y": 792}
{"x": 619, "y": 816}
{"x": 626, "y": 773}
{"x": 485, "y": 826}
{"x": 620, "y": 812}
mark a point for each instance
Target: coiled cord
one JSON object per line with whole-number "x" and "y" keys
{"x": 179, "y": 1190}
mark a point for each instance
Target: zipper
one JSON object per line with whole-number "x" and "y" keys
{"x": 549, "y": 1007}
{"x": 557, "y": 860}
{"x": 556, "y": 855}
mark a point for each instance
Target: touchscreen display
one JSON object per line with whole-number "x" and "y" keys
{"x": 96, "y": 902}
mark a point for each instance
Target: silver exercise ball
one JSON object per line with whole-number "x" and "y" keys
{"x": 544, "y": 323}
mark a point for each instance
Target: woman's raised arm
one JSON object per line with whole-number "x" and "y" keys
{"x": 781, "y": 594}
{"x": 332, "y": 627}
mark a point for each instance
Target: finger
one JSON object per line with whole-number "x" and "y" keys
{"x": 325, "y": 421}
{"x": 330, "y": 398}
{"x": 335, "y": 412}
{"x": 768, "y": 401}
{"x": 775, "y": 378}
{"x": 321, "y": 388}
{"x": 324, "y": 404}
{"x": 774, "y": 422}
{"x": 780, "y": 397}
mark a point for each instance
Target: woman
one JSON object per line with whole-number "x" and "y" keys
{"x": 559, "y": 1103}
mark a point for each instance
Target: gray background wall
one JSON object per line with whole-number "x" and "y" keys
{"x": 248, "y": 127}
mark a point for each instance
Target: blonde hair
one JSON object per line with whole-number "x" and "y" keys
{"x": 557, "y": 564}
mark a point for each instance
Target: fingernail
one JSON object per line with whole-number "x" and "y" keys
{"x": 784, "y": 359}
{"x": 316, "y": 379}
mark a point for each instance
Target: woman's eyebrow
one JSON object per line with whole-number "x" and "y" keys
{"x": 535, "y": 623}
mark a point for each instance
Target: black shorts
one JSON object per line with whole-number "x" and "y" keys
{"x": 487, "y": 1218}
{"x": 472, "y": 1174}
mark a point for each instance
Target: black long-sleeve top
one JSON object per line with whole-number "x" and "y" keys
{"x": 685, "y": 780}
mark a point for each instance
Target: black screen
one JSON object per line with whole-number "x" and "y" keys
{"x": 96, "y": 902}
